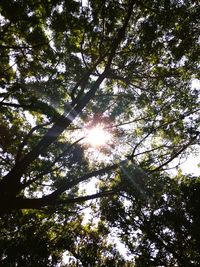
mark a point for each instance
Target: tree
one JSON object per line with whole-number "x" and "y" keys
{"x": 68, "y": 65}
{"x": 159, "y": 220}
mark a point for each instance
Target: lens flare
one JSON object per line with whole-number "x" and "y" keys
{"x": 97, "y": 136}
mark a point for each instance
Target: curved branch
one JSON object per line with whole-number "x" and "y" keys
{"x": 48, "y": 168}
{"x": 39, "y": 203}
{"x": 21, "y": 146}
{"x": 175, "y": 154}
{"x": 83, "y": 178}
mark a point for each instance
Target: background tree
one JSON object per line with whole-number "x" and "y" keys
{"x": 158, "y": 220}
{"x": 69, "y": 65}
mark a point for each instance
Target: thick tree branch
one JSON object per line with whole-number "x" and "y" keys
{"x": 38, "y": 203}
{"x": 11, "y": 182}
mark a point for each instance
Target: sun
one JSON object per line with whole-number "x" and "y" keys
{"x": 98, "y": 136}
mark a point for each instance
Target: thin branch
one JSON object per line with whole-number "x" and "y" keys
{"x": 88, "y": 197}
{"x": 82, "y": 55}
{"x": 153, "y": 149}
{"x": 160, "y": 126}
{"x": 48, "y": 168}
{"x": 120, "y": 35}
{"x": 125, "y": 123}
{"x": 175, "y": 154}
{"x": 7, "y": 69}
{"x": 15, "y": 105}
{"x": 85, "y": 177}
{"x": 24, "y": 143}
{"x": 139, "y": 143}
{"x": 84, "y": 80}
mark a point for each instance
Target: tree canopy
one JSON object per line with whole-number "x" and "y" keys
{"x": 129, "y": 68}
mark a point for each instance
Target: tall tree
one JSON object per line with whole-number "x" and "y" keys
{"x": 69, "y": 66}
